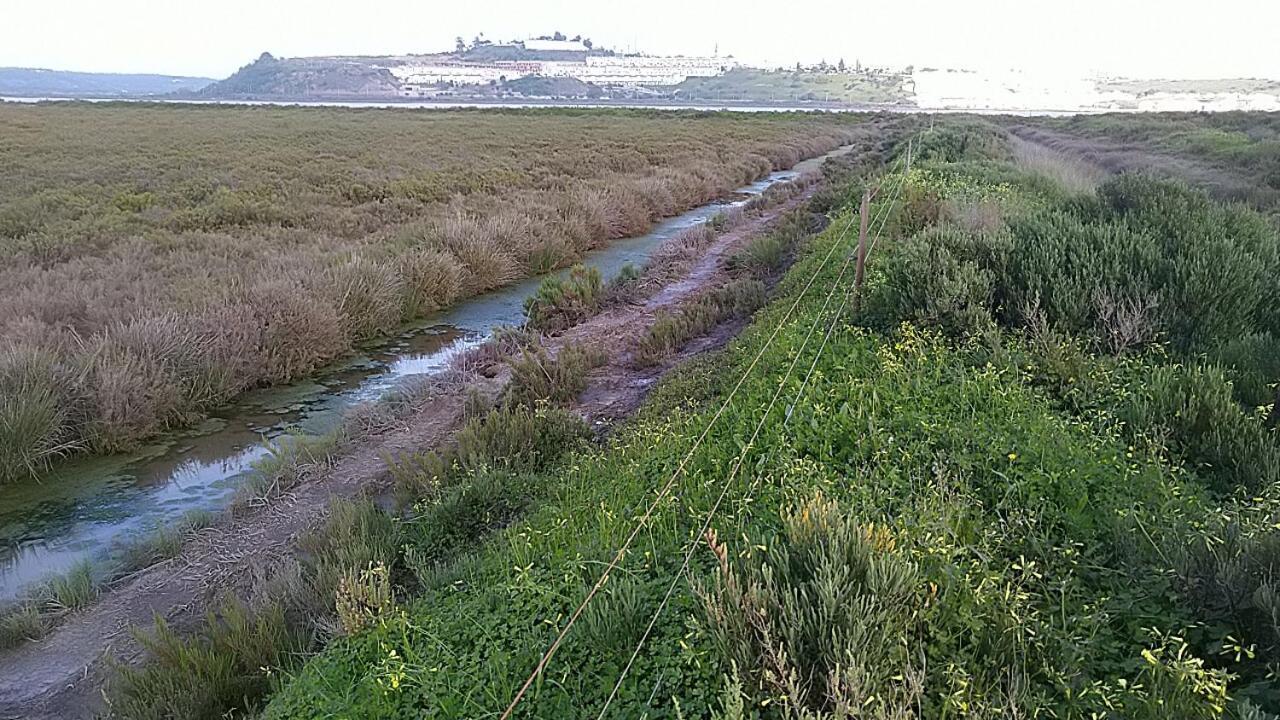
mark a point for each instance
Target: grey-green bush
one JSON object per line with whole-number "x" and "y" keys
{"x": 1192, "y": 410}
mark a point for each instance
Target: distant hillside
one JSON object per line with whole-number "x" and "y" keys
{"x": 812, "y": 85}
{"x": 564, "y": 87}
{"x": 36, "y": 82}
{"x": 305, "y": 77}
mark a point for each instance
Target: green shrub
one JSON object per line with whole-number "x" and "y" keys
{"x": 561, "y": 303}
{"x": 418, "y": 475}
{"x": 1084, "y": 275}
{"x": 1143, "y": 261}
{"x": 1192, "y": 410}
{"x": 1221, "y": 264}
{"x": 738, "y": 298}
{"x": 960, "y": 141}
{"x": 823, "y": 619}
{"x": 357, "y": 534}
{"x": 1233, "y": 581}
{"x": 518, "y": 438}
{"x": 671, "y": 330}
{"x": 73, "y": 589}
{"x": 363, "y": 598}
{"x": 1252, "y": 363}
{"x": 480, "y": 502}
{"x": 624, "y": 283}
{"x": 241, "y": 657}
{"x": 762, "y": 255}
{"x": 537, "y": 377}
{"x": 945, "y": 278}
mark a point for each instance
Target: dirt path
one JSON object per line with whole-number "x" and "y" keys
{"x": 61, "y": 676}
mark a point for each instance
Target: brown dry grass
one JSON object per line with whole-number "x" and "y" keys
{"x": 164, "y": 259}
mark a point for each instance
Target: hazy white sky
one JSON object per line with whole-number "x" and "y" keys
{"x": 1145, "y": 38}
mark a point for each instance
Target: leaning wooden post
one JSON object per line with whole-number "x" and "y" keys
{"x": 860, "y": 268}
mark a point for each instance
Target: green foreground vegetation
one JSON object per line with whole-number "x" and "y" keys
{"x": 977, "y": 511}
{"x": 1034, "y": 473}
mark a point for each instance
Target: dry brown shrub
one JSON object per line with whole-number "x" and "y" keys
{"x": 432, "y": 279}
{"x": 299, "y": 330}
{"x": 233, "y": 358}
{"x": 627, "y": 213}
{"x": 293, "y": 253}
{"x": 512, "y": 229}
{"x": 488, "y": 264}
{"x": 1127, "y": 323}
{"x": 131, "y": 397}
{"x": 657, "y": 196}
{"x": 368, "y": 295}
{"x": 584, "y": 213}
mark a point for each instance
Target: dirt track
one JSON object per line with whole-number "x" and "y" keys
{"x": 61, "y": 676}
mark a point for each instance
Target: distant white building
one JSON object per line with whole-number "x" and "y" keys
{"x": 416, "y": 77}
{"x": 638, "y": 70}
{"x": 555, "y": 45}
{"x": 462, "y": 73}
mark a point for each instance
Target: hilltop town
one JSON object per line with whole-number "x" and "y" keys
{"x": 556, "y": 68}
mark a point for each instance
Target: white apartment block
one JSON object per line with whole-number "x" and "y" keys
{"x": 601, "y": 70}
{"x": 638, "y": 70}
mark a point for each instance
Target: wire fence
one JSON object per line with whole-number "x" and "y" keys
{"x": 882, "y": 217}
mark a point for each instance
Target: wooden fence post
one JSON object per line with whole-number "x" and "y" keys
{"x": 860, "y": 268}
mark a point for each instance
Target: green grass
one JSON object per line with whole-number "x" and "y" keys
{"x": 73, "y": 589}
{"x": 349, "y": 572}
{"x": 21, "y": 624}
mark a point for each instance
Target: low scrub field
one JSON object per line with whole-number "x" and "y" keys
{"x": 160, "y": 259}
{"x": 1234, "y": 156}
{"x": 984, "y": 500}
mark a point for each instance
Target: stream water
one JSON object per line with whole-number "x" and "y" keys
{"x": 89, "y": 507}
